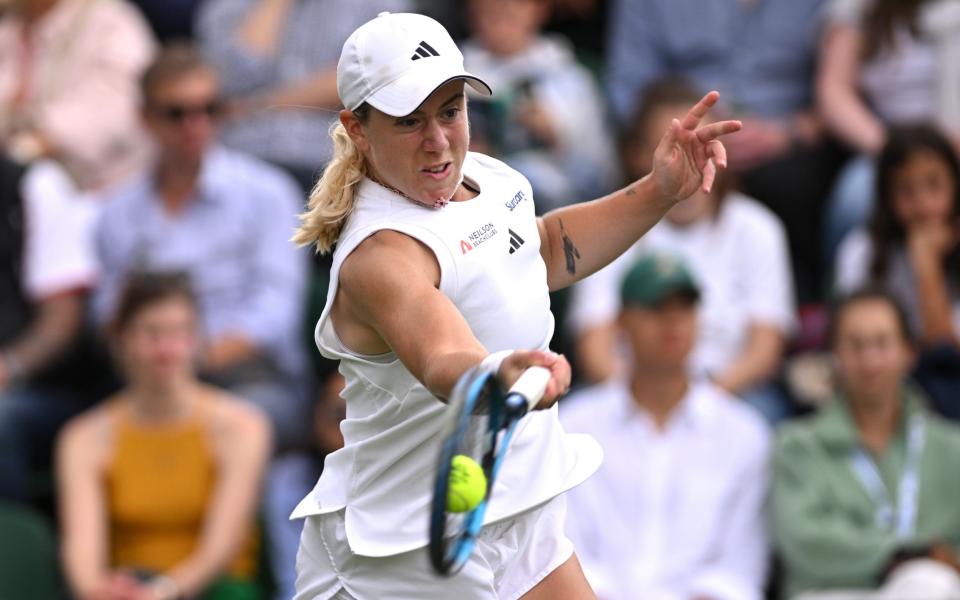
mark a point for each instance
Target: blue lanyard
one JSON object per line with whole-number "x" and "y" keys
{"x": 902, "y": 521}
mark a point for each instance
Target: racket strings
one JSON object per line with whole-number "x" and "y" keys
{"x": 475, "y": 416}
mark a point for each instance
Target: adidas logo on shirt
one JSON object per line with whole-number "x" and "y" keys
{"x": 424, "y": 50}
{"x": 515, "y": 241}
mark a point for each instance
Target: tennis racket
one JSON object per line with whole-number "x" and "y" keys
{"x": 481, "y": 422}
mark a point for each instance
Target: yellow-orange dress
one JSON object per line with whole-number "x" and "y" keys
{"x": 159, "y": 483}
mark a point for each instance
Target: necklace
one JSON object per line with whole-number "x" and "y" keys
{"x": 436, "y": 204}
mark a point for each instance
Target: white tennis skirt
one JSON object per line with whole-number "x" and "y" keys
{"x": 510, "y": 557}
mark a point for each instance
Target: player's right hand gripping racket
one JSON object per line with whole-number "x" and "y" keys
{"x": 481, "y": 423}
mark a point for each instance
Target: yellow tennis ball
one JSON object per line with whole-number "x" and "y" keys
{"x": 467, "y": 484}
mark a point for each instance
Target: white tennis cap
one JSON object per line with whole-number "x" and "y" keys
{"x": 395, "y": 61}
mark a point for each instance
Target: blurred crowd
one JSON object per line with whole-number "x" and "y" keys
{"x": 773, "y": 370}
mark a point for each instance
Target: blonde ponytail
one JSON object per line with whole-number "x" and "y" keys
{"x": 333, "y": 197}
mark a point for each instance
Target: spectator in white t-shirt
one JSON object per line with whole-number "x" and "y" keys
{"x": 675, "y": 511}
{"x": 47, "y": 264}
{"x": 737, "y": 250}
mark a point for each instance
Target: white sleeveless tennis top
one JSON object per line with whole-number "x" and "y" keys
{"x": 488, "y": 249}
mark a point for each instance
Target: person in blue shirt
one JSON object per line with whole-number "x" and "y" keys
{"x": 224, "y": 218}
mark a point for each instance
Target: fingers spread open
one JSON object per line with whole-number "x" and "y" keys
{"x": 718, "y": 153}
{"x": 670, "y": 137}
{"x": 715, "y": 130}
{"x": 692, "y": 119}
{"x": 709, "y": 174}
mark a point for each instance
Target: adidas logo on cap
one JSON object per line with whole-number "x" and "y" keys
{"x": 424, "y": 50}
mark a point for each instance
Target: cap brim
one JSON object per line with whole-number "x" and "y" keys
{"x": 403, "y": 95}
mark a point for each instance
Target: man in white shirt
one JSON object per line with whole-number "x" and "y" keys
{"x": 676, "y": 511}
{"x": 47, "y": 265}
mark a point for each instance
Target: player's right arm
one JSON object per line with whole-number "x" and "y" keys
{"x": 389, "y": 298}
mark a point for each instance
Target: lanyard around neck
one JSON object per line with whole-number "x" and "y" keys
{"x": 903, "y": 519}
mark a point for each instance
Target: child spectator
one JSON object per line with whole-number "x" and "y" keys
{"x": 546, "y": 118}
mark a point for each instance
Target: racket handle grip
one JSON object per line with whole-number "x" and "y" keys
{"x": 531, "y": 385}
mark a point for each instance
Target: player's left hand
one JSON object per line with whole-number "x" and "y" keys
{"x": 689, "y": 155}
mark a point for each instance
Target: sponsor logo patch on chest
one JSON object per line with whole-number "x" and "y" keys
{"x": 477, "y": 237}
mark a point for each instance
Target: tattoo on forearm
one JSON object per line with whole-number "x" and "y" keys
{"x": 631, "y": 191}
{"x": 569, "y": 250}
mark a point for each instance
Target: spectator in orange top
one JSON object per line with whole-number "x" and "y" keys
{"x": 159, "y": 484}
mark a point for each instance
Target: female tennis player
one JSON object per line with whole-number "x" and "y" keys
{"x": 441, "y": 265}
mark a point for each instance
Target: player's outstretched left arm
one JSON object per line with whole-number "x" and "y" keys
{"x": 578, "y": 240}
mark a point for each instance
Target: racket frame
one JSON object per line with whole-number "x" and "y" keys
{"x": 450, "y": 552}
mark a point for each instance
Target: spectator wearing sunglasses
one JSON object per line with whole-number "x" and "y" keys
{"x": 224, "y": 218}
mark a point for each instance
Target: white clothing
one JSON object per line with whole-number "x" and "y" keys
{"x": 900, "y": 85}
{"x": 675, "y": 514}
{"x": 488, "y": 249}
{"x": 510, "y": 557}
{"x": 915, "y": 79}
{"x": 59, "y": 250}
{"x": 853, "y": 271}
{"x": 941, "y": 19}
{"x": 741, "y": 262}
{"x": 919, "y": 579}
